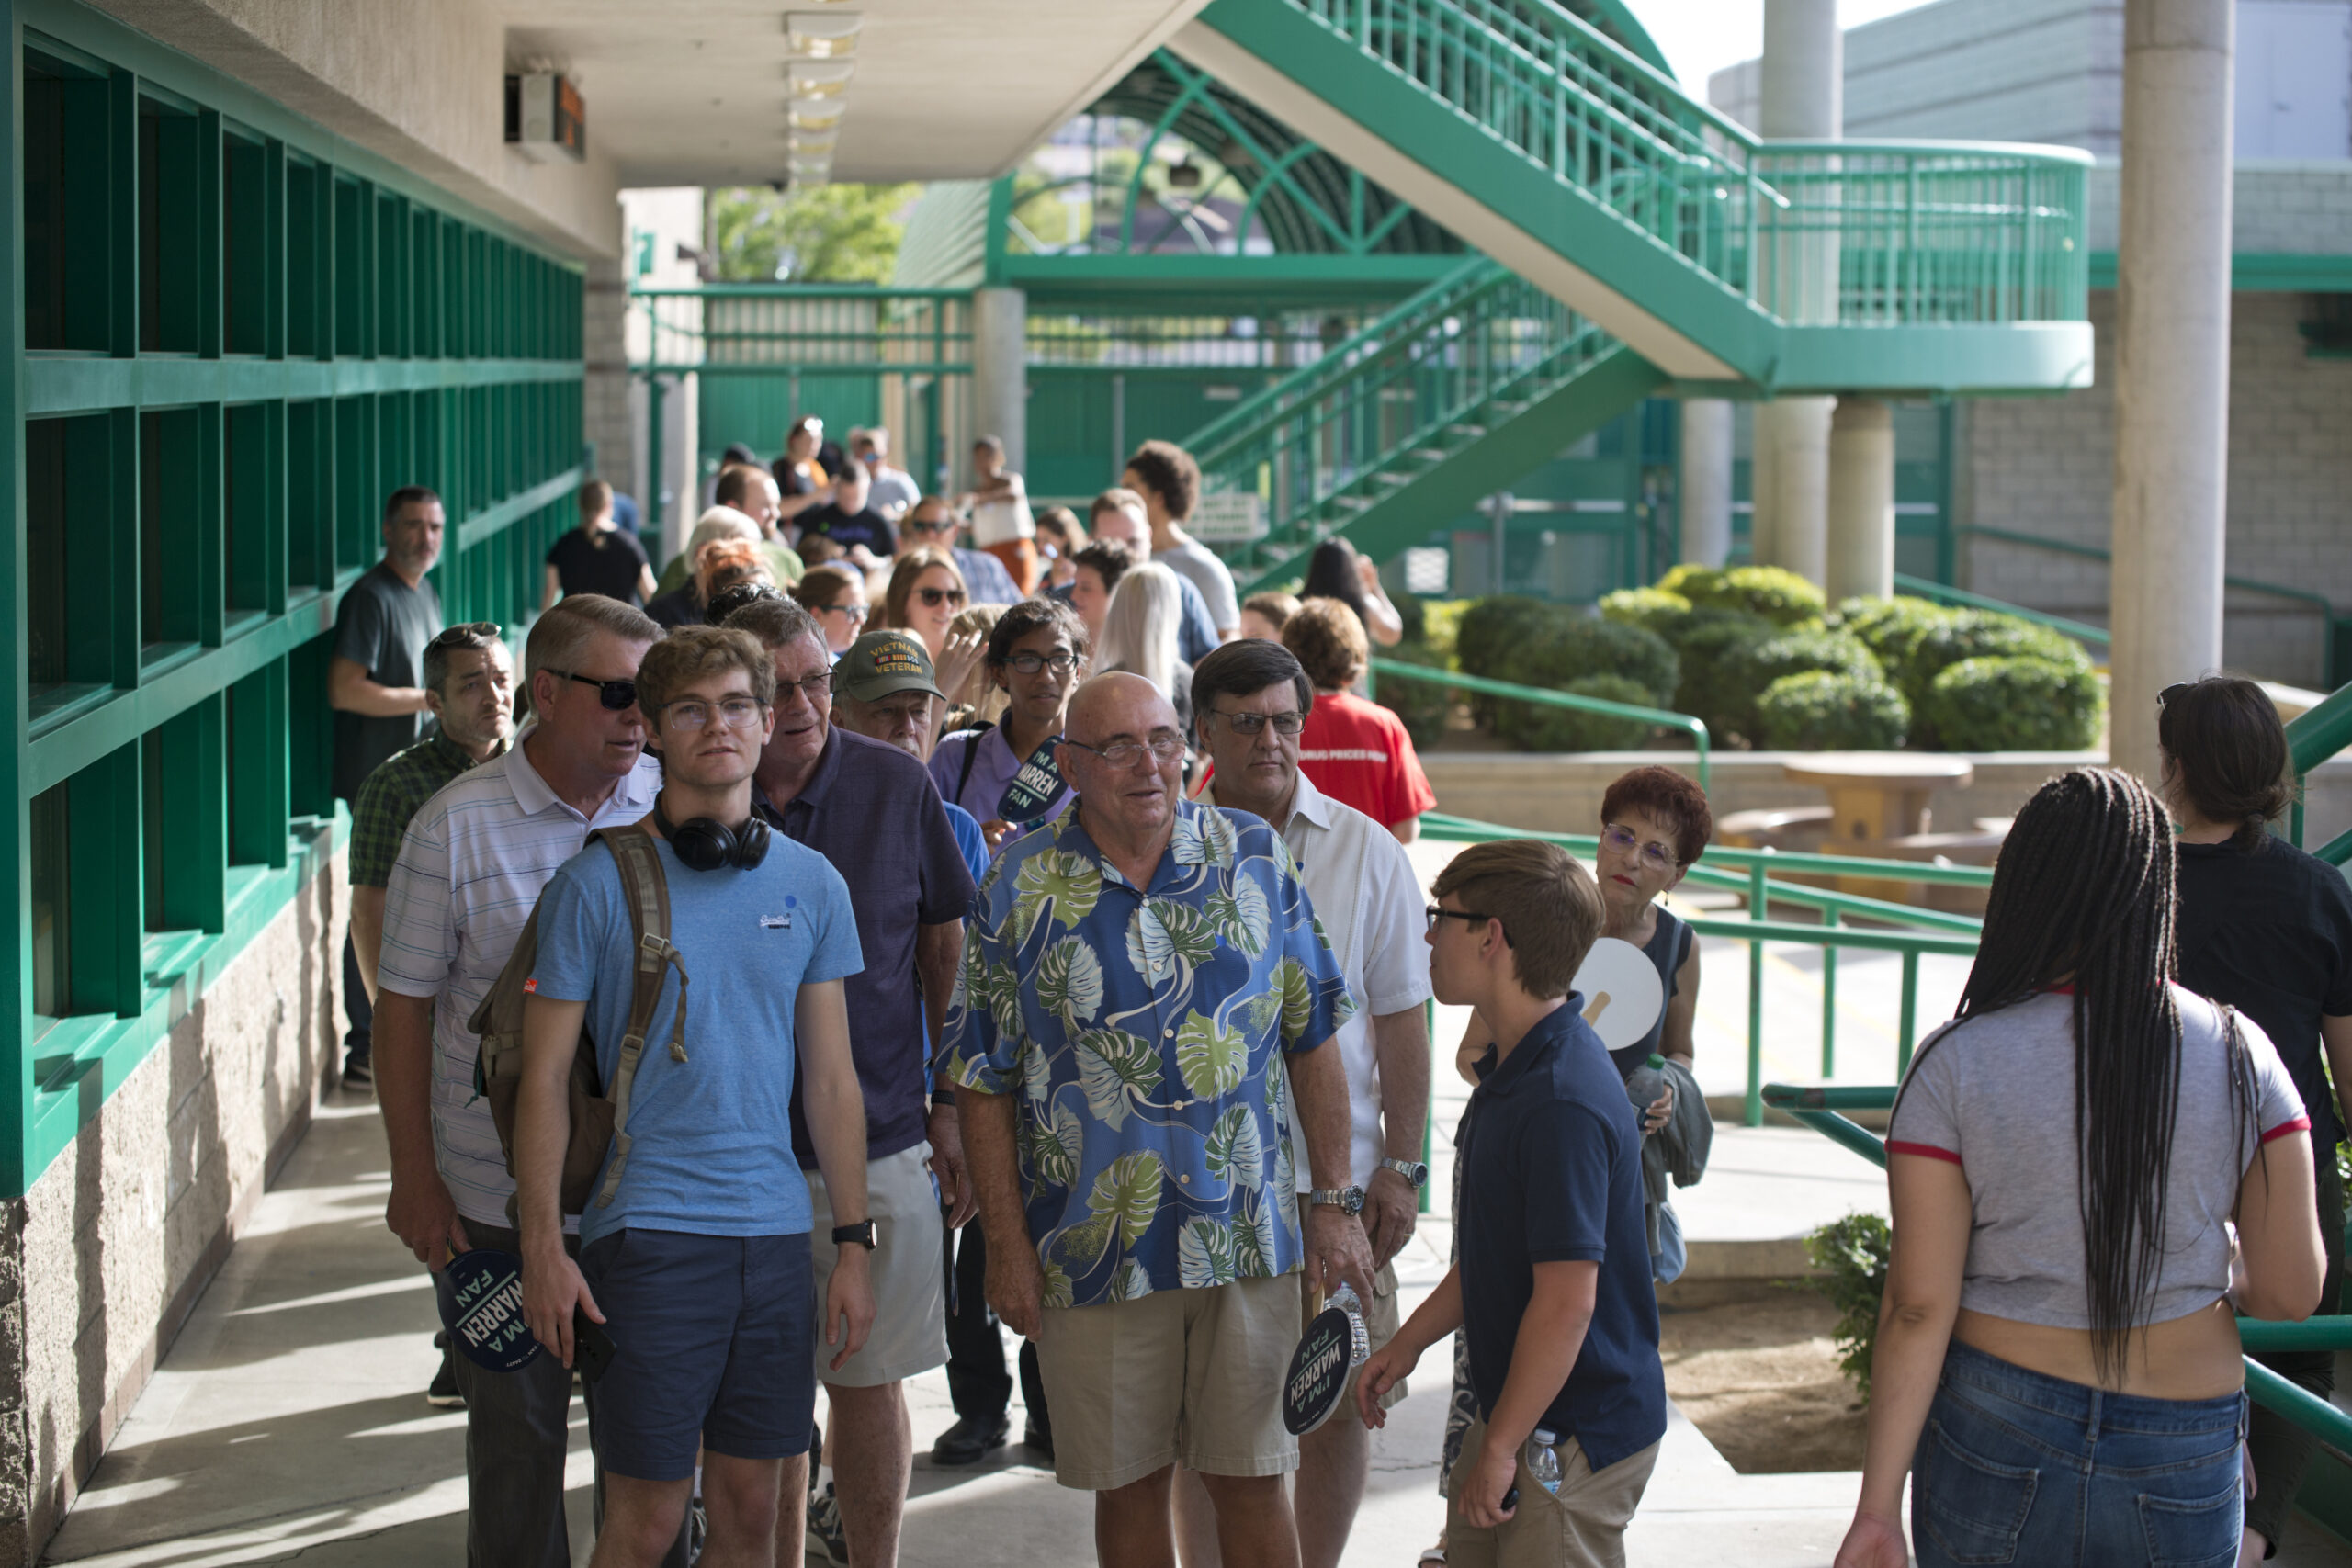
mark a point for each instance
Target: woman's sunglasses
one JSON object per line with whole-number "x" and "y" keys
{"x": 932, "y": 598}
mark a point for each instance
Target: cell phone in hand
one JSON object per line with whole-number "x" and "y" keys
{"x": 1510, "y": 1498}
{"x": 592, "y": 1348}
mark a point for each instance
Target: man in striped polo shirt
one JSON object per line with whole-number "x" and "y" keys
{"x": 470, "y": 870}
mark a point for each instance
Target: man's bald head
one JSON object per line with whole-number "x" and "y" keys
{"x": 1118, "y": 703}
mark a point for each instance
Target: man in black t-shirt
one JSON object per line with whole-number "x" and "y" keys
{"x": 850, "y": 523}
{"x": 376, "y": 685}
{"x": 598, "y": 556}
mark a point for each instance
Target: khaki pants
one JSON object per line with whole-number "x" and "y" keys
{"x": 1583, "y": 1527}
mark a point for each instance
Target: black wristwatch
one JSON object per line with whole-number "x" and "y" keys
{"x": 861, "y": 1233}
{"x": 1347, "y": 1200}
{"x": 1413, "y": 1170}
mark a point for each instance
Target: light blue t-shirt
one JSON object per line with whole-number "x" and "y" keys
{"x": 972, "y": 842}
{"x": 710, "y": 1138}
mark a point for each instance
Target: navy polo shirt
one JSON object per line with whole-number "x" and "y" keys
{"x": 1552, "y": 1173}
{"x": 870, "y": 809}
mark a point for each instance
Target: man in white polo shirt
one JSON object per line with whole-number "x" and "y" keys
{"x": 470, "y": 870}
{"x": 1249, "y": 700}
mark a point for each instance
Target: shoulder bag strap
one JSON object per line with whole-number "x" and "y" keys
{"x": 647, "y": 892}
{"x": 971, "y": 755}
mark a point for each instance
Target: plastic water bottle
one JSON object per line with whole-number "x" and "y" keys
{"x": 1645, "y": 1083}
{"x": 1542, "y": 1461}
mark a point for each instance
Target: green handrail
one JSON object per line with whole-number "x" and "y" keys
{"x": 1397, "y": 670}
{"x": 2321, "y": 733}
{"x": 1944, "y": 593}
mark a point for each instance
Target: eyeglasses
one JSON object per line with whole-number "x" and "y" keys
{"x": 617, "y": 696}
{"x": 468, "y": 636}
{"x": 1436, "y": 914}
{"x": 1061, "y": 661}
{"x": 735, "y": 713}
{"x": 1255, "y": 723}
{"x": 1164, "y": 749}
{"x": 923, "y": 525}
{"x": 2165, "y": 697}
{"x": 856, "y": 612}
{"x": 815, "y": 687}
{"x": 1621, "y": 839}
{"x": 933, "y": 598}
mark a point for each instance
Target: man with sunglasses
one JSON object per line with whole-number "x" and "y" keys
{"x": 932, "y": 522}
{"x": 869, "y": 808}
{"x": 1140, "y": 1040}
{"x": 471, "y": 867}
{"x": 1251, "y": 701}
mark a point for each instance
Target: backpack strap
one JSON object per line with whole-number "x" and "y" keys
{"x": 647, "y": 891}
{"x": 971, "y": 755}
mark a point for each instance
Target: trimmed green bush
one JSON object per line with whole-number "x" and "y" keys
{"x": 1652, "y": 609}
{"x": 1758, "y": 664}
{"x": 1423, "y": 704}
{"x": 1531, "y": 728}
{"x": 1579, "y": 646}
{"x": 1782, "y": 597}
{"x": 1711, "y": 644}
{"x": 1892, "y": 628}
{"x": 1491, "y": 634}
{"x": 1982, "y": 633}
{"x": 2016, "y": 704}
{"x": 1823, "y": 710}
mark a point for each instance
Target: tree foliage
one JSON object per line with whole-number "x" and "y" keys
{"x": 844, "y": 233}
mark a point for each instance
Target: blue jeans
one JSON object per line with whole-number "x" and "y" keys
{"x": 2016, "y": 1467}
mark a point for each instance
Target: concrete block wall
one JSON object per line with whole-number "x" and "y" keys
{"x": 2044, "y": 466}
{"x": 102, "y": 1261}
{"x": 604, "y": 400}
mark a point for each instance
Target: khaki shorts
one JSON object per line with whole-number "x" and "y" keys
{"x": 1381, "y": 1321}
{"x": 1190, "y": 1375}
{"x": 1583, "y": 1527}
{"x": 909, "y": 1283}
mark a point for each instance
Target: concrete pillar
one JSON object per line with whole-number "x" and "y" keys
{"x": 1803, "y": 95}
{"x": 1706, "y": 481}
{"x": 1000, "y": 373}
{"x": 604, "y": 393}
{"x": 1861, "y": 499}
{"x": 1792, "y": 499}
{"x": 2172, "y": 360}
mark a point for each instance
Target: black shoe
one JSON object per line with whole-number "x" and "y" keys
{"x": 1038, "y": 1435}
{"x": 968, "y": 1441}
{"x": 356, "y": 1071}
{"x": 444, "y": 1394}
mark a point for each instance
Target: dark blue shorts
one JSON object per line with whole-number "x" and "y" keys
{"x": 711, "y": 1339}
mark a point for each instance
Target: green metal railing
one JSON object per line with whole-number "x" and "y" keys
{"x": 2091, "y": 636}
{"x": 1901, "y": 929}
{"x": 1391, "y": 402}
{"x": 1869, "y": 233}
{"x": 762, "y": 328}
{"x": 1823, "y": 1108}
{"x": 1570, "y": 701}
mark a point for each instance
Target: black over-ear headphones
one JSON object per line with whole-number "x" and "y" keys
{"x": 708, "y": 844}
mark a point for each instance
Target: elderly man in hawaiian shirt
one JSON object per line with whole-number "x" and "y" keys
{"x": 1141, "y": 1032}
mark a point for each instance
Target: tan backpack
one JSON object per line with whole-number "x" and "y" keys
{"x": 599, "y": 1120}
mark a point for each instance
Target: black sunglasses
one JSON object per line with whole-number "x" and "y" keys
{"x": 471, "y": 634}
{"x": 617, "y": 696}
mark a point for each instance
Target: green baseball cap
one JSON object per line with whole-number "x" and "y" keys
{"x": 880, "y": 664}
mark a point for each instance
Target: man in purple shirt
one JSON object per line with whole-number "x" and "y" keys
{"x": 1037, "y": 656}
{"x": 870, "y": 809}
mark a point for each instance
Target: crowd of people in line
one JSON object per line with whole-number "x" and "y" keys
{"x": 1057, "y": 964}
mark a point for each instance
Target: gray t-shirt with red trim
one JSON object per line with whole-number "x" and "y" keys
{"x": 1995, "y": 1095}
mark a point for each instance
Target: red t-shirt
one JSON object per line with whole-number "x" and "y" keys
{"x": 1358, "y": 753}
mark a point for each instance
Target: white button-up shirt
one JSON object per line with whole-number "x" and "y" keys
{"x": 470, "y": 870}
{"x": 1370, "y": 903}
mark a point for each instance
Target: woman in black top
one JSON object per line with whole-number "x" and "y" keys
{"x": 2266, "y": 929}
{"x": 597, "y": 556}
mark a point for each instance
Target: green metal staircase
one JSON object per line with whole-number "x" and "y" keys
{"x": 1632, "y": 239}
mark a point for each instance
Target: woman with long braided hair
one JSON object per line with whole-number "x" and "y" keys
{"x": 2058, "y": 1367}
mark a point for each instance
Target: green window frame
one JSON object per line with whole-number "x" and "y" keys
{"x": 237, "y": 333}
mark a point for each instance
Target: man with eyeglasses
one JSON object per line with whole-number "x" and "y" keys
{"x": 932, "y": 522}
{"x": 870, "y": 809}
{"x": 1037, "y": 655}
{"x": 1250, "y": 700}
{"x": 1139, "y": 1042}
{"x": 470, "y": 868}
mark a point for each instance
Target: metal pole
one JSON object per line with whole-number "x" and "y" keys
{"x": 1906, "y": 1019}
{"x": 1499, "y": 507}
{"x": 1828, "y": 1000}
{"x": 1755, "y": 902}
{"x": 656, "y": 502}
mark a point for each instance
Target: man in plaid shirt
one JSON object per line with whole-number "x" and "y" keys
{"x": 469, "y": 690}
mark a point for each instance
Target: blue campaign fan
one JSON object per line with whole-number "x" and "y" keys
{"x": 480, "y": 1297}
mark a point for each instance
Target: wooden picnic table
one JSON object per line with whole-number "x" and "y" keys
{"x": 1878, "y": 795}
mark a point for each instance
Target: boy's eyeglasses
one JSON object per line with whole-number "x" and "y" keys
{"x": 1060, "y": 661}
{"x": 735, "y": 713}
{"x": 1436, "y": 913}
{"x": 856, "y": 612}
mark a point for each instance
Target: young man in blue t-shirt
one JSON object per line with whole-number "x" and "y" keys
{"x": 1552, "y": 1286}
{"x": 699, "y": 1266}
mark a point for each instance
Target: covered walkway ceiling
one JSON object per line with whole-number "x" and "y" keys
{"x": 693, "y": 92}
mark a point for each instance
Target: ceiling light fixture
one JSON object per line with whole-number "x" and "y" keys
{"x": 818, "y": 35}
{"x": 814, "y": 114}
{"x": 814, "y": 144}
{"x": 814, "y": 79}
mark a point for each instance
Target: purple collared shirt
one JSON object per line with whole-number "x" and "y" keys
{"x": 993, "y": 769}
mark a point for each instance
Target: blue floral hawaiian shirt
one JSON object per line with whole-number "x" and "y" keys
{"x": 1141, "y": 1028}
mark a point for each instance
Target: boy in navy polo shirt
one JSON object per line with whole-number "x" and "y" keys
{"x": 699, "y": 1264}
{"x": 1552, "y": 1288}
